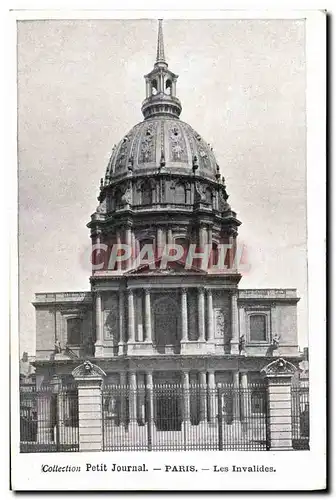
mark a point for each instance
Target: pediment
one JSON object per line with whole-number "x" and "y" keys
{"x": 157, "y": 267}
{"x": 88, "y": 370}
{"x": 279, "y": 367}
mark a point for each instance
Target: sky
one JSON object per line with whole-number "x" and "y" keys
{"x": 80, "y": 88}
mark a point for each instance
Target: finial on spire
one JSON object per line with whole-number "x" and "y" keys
{"x": 160, "y": 56}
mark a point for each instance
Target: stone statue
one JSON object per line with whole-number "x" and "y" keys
{"x": 58, "y": 347}
{"x": 242, "y": 344}
{"x": 130, "y": 163}
{"x": 126, "y": 198}
{"x": 275, "y": 341}
{"x": 223, "y": 204}
{"x": 199, "y": 193}
{"x": 101, "y": 207}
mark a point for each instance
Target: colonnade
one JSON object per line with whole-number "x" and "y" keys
{"x": 205, "y": 316}
{"x": 207, "y": 394}
{"x": 161, "y": 236}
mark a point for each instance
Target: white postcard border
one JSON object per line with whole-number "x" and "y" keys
{"x": 294, "y": 470}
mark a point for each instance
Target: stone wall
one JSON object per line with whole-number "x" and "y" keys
{"x": 51, "y": 323}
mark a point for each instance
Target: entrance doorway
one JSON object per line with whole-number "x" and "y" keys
{"x": 168, "y": 412}
{"x": 166, "y": 323}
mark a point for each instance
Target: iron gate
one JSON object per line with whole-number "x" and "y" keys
{"x": 171, "y": 417}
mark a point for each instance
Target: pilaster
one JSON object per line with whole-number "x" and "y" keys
{"x": 99, "y": 326}
{"x": 234, "y": 323}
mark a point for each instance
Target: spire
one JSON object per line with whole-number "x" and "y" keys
{"x": 160, "y": 57}
{"x": 161, "y": 86}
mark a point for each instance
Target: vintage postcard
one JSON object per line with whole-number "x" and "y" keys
{"x": 171, "y": 175}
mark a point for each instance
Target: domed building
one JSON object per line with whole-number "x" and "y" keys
{"x": 157, "y": 314}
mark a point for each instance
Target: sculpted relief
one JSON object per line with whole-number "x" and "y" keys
{"x": 219, "y": 324}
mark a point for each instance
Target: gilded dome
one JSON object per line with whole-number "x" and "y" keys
{"x": 162, "y": 143}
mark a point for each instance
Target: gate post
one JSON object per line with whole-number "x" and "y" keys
{"x": 89, "y": 380}
{"x": 279, "y": 375}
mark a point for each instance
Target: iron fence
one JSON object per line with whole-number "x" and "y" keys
{"x": 48, "y": 419}
{"x": 171, "y": 417}
{"x": 300, "y": 417}
{"x": 161, "y": 417}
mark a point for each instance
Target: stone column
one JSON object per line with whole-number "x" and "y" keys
{"x": 133, "y": 246}
{"x": 129, "y": 247}
{"x": 234, "y": 323}
{"x": 99, "y": 326}
{"x": 89, "y": 380}
{"x": 123, "y": 396}
{"x": 121, "y": 321}
{"x": 186, "y": 397}
{"x": 159, "y": 242}
{"x": 170, "y": 237}
{"x": 203, "y": 396}
{"x": 245, "y": 406}
{"x": 97, "y": 237}
{"x": 96, "y": 241}
{"x": 133, "y": 398}
{"x": 210, "y": 315}
{"x": 236, "y": 396}
{"x": 202, "y": 237}
{"x": 184, "y": 315}
{"x": 201, "y": 315}
{"x": 118, "y": 243}
{"x": 216, "y": 200}
{"x": 148, "y": 317}
{"x": 279, "y": 375}
{"x": 131, "y": 325}
{"x": 141, "y": 399}
{"x": 212, "y": 397}
{"x": 210, "y": 246}
{"x": 148, "y": 88}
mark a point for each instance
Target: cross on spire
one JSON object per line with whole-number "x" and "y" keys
{"x": 160, "y": 56}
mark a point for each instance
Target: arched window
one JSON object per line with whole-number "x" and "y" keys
{"x": 180, "y": 193}
{"x": 214, "y": 254}
{"x": 145, "y": 241}
{"x": 154, "y": 87}
{"x": 183, "y": 242}
{"x": 258, "y": 331}
{"x": 168, "y": 87}
{"x": 146, "y": 194}
{"x": 74, "y": 331}
{"x": 117, "y": 196}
